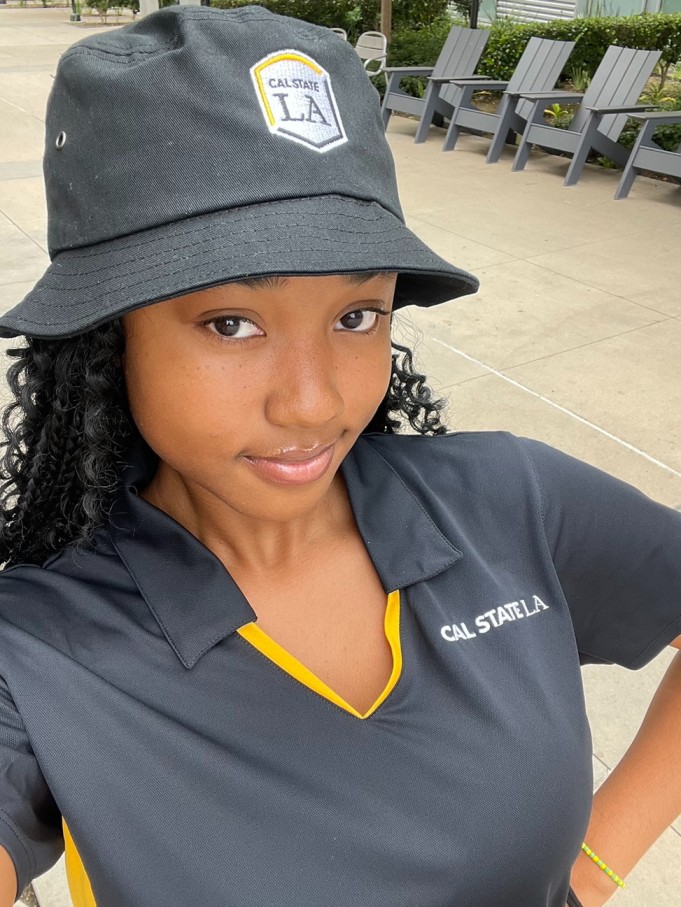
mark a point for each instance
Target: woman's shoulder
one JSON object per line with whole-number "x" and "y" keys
{"x": 461, "y": 470}
{"x": 465, "y": 452}
{"x": 500, "y": 467}
{"x": 27, "y": 591}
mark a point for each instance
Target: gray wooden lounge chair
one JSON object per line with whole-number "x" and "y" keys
{"x": 612, "y": 95}
{"x": 646, "y": 154}
{"x": 458, "y": 58}
{"x": 538, "y": 69}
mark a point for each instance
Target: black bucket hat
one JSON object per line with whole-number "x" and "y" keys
{"x": 199, "y": 146}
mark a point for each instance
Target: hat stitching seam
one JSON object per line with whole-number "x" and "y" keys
{"x": 243, "y": 215}
{"x": 404, "y": 247}
{"x": 247, "y": 15}
{"x": 244, "y": 13}
{"x": 308, "y": 27}
{"x": 107, "y": 53}
{"x": 121, "y": 275}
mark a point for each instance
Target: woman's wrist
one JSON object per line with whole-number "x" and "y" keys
{"x": 591, "y": 885}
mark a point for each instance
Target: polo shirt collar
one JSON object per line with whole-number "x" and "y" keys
{"x": 195, "y": 600}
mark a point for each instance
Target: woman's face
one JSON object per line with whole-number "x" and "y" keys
{"x": 253, "y": 393}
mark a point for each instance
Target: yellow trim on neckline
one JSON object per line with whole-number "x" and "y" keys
{"x": 290, "y": 664}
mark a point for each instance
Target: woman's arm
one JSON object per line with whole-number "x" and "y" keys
{"x": 640, "y": 797}
{"x": 8, "y": 880}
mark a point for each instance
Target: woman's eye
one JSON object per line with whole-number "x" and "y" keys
{"x": 359, "y": 321}
{"x": 234, "y": 327}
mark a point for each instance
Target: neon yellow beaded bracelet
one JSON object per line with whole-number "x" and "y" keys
{"x": 601, "y": 865}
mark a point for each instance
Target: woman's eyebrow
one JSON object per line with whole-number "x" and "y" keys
{"x": 268, "y": 282}
{"x": 276, "y": 281}
{"x": 366, "y": 276}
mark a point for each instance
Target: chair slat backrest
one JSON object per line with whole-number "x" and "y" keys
{"x": 619, "y": 80}
{"x": 461, "y": 52}
{"x": 539, "y": 68}
{"x": 371, "y": 44}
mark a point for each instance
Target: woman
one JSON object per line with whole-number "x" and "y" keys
{"x": 204, "y": 434}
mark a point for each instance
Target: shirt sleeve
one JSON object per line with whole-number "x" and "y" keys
{"x": 617, "y": 555}
{"x": 30, "y": 823}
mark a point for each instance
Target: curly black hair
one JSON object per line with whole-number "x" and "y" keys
{"x": 68, "y": 432}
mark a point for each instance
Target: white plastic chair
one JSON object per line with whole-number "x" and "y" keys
{"x": 340, "y": 32}
{"x": 372, "y": 47}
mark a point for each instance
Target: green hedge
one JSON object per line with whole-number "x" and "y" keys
{"x": 355, "y": 16}
{"x": 419, "y": 47}
{"x": 649, "y": 31}
{"x": 593, "y": 36}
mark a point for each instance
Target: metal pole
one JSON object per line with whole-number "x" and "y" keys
{"x": 475, "y": 12}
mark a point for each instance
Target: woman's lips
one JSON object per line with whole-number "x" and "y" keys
{"x": 294, "y": 467}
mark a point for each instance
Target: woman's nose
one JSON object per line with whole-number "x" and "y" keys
{"x": 304, "y": 391}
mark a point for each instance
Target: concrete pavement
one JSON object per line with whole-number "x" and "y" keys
{"x": 574, "y": 337}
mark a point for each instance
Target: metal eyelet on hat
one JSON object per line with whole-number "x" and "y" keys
{"x": 61, "y": 140}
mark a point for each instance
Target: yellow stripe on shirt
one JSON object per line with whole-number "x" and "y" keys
{"x": 79, "y": 884}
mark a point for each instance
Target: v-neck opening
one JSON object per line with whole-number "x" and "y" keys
{"x": 288, "y": 663}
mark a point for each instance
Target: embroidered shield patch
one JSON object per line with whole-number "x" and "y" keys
{"x": 297, "y": 100}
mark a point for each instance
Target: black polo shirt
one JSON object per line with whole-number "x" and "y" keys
{"x": 192, "y": 769}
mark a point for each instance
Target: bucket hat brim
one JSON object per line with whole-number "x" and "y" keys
{"x": 83, "y": 288}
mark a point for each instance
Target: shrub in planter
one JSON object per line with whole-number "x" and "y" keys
{"x": 419, "y": 47}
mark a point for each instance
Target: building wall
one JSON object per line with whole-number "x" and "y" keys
{"x": 545, "y": 10}
{"x": 536, "y": 10}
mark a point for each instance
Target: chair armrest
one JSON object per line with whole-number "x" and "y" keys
{"x": 479, "y": 82}
{"x": 567, "y": 96}
{"x": 409, "y": 70}
{"x": 443, "y": 79}
{"x": 659, "y": 116}
{"x": 629, "y": 108}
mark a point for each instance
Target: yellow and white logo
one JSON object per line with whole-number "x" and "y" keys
{"x": 297, "y": 100}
